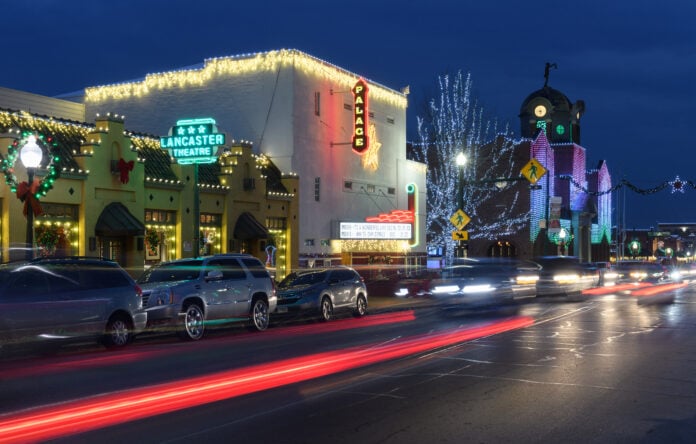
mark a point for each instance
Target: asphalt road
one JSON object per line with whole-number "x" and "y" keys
{"x": 613, "y": 368}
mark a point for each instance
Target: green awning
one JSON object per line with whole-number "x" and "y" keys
{"x": 116, "y": 220}
{"x": 247, "y": 227}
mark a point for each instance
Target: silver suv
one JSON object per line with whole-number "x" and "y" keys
{"x": 64, "y": 298}
{"x": 322, "y": 291}
{"x": 190, "y": 293}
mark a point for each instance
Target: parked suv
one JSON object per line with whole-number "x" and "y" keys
{"x": 63, "y": 298}
{"x": 188, "y": 293}
{"x": 321, "y": 291}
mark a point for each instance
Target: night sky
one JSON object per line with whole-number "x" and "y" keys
{"x": 632, "y": 62}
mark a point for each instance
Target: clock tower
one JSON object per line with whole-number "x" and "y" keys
{"x": 551, "y": 110}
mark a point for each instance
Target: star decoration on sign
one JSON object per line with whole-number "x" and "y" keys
{"x": 370, "y": 159}
{"x": 201, "y": 129}
{"x": 677, "y": 185}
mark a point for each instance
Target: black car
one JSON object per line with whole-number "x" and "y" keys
{"x": 484, "y": 282}
{"x": 564, "y": 276}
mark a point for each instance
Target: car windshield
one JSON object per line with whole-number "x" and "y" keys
{"x": 175, "y": 271}
{"x": 295, "y": 279}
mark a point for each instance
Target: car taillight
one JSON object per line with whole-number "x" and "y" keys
{"x": 139, "y": 294}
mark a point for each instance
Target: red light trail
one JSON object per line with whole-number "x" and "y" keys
{"x": 111, "y": 409}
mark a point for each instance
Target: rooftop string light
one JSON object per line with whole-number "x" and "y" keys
{"x": 240, "y": 65}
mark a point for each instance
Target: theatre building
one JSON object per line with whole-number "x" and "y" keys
{"x": 104, "y": 190}
{"x": 343, "y": 136}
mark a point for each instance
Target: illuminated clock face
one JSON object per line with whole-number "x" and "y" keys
{"x": 540, "y": 111}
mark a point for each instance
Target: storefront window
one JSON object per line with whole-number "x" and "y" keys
{"x": 160, "y": 235}
{"x": 210, "y": 226}
{"x": 56, "y": 230}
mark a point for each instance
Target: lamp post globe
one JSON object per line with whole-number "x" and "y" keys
{"x": 31, "y": 153}
{"x": 31, "y": 156}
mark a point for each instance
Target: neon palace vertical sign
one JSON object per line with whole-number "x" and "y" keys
{"x": 360, "y": 114}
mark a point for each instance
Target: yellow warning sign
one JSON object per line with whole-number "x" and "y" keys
{"x": 459, "y": 219}
{"x": 460, "y": 235}
{"x": 533, "y": 171}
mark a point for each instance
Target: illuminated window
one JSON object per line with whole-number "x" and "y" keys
{"x": 276, "y": 223}
{"x": 160, "y": 216}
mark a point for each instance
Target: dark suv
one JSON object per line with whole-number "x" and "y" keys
{"x": 188, "y": 293}
{"x": 63, "y": 298}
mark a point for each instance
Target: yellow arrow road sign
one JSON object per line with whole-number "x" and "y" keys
{"x": 460, "y": 235}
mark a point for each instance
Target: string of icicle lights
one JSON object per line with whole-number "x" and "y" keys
{"x": 678, "y": 186}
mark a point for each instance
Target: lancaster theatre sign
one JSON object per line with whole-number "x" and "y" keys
{"x": 193, "y": 141}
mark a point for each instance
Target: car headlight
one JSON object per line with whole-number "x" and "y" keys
{"x": 401, "y": 292}
{"x": 162, "y": 297}
{"x": 526, "y": 280}
{"x": 481, "y": 288}
{"x": 439, "y": 289}
{"x": 566, "y": 278}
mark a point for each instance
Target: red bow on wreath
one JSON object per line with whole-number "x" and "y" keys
{"x": 27, "y": 194}
{"x": 125, "y": 167}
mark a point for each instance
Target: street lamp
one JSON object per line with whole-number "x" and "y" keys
{"x": 31, "y": 156}
{"x": 461, "y": 161}
{"x": 562, "y": 236}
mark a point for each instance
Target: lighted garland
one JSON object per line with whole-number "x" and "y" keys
{"x": 47, "y": 144}
{"x": 48, "y": 238}
{"x": 152, "y": 240}
{"x": 678, "y": 185}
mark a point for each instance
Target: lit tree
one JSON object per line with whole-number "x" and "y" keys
{"x": 455, "y": 123}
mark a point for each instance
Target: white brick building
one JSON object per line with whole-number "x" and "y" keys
{"x": 299, "y": 111}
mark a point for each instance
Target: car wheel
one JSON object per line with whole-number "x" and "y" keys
{"x": 361, "y": 306}
{"x": 326, "y": 309}
{"x": 194, "y": 325}
{"x": 260, "y": 316}
{"x": 118, "y": 332}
